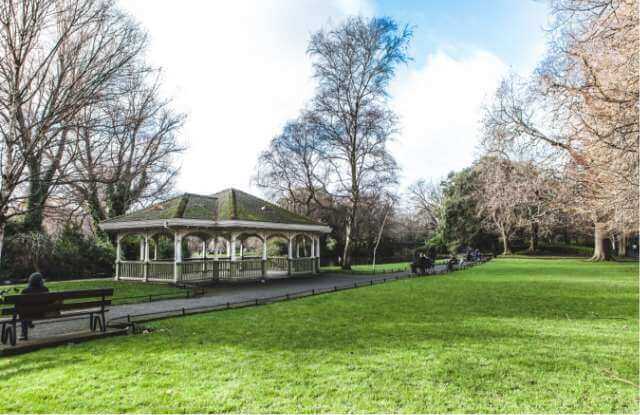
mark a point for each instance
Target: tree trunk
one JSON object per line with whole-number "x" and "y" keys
{"x": 600, "y": 251}
{"x": 346, "y": 253}
{"x": 533, "y": 241}
{"x": 506, "y": 247}
{"x": 2, "y": 226}
{"x": 622, "y": 245}
{"x": 34, "y": 215}
{"x": 375, "y": 247}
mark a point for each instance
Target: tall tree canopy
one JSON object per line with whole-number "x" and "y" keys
{"x": 79, "y": 112}
{"x": 583, "y": 104}
{"x": 336, "y": 154}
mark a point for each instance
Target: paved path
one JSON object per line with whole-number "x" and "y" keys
{"x": 217, "y": 295}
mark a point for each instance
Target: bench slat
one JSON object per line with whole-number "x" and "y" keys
{"x": 37, "y": 309}
{"x": 62, "y": 315}
{"x": 58, "y": 295}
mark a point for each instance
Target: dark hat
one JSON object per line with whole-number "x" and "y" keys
{"x": 36, "y": 280}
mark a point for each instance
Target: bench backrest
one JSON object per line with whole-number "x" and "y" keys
{"x": 50, "y": 305}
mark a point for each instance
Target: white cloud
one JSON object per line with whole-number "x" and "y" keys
{"x": 239, "y": 70}
{"x": 439, "y": 106}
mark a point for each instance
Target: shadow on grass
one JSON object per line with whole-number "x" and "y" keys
{"x": 12, "y": 367}
{"x": 412, "y": 312}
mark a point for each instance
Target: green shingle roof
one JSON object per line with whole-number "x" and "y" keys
{"x": 230, "y": 204}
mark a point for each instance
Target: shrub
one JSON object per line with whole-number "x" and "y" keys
{"x": 77, "y": 255}
{"x": 69, "y": 254}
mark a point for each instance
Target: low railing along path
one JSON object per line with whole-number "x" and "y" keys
{"x": 226, "y": 296}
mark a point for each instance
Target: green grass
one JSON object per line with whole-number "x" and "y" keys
{"x": 560, "y": 250}
{"x": 122, "y": 289}
{"x": 368, "y": 268}
{"x": 513, "y": 335}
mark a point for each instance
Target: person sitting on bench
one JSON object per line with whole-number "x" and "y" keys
{"x": 34, "y": 286}
{"x": 422, "y": 264}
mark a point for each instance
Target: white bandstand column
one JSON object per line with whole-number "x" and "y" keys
{"x": 155, "y": 248}
{"x": 263, "y": 264}
{"x": 143, "y": 241}
{"x": 233, "y": 247}
{"x": 145, "y": 272}
{"x": 177, "y": 256}
{"x": 264, "y": 247}
{"x": 204, "y": 257}
{"x": 118, "y": 250}
{"x": 289, "y": 254}
{"x": 313, "y": 254}
{"x": 317, "y": 254}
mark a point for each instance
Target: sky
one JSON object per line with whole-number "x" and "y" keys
{"x": 239, "y": 70}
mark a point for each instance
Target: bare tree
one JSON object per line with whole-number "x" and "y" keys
{"x": 498, "y": 198}
{"x": 426, "y": 200}
{"x": 59, "y": 57}
{"x": 353, "y": 63}
{"x": 36, "y": 245}
{"x": 293, "y": 169}
{"x": 125, "y": 149}
{"x": 583, "y": 103}
{"x": 386, "y": 211}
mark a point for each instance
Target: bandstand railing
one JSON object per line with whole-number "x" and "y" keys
{"x": 160, "y": 271}
{"x": 131, "y": 270}
{"x": 302, "y": 265}
{"x": 278, "y": 264}
{"x": 218, "y": 269}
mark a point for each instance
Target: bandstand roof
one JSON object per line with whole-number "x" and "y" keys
{"x": 230, "y": 208}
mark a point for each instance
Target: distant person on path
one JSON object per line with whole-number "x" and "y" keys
{"x": 451, "y": 262}
{"x": 432, "y": 254}
{"x": 422, "y": 263}
{"x": 34, "y": 286}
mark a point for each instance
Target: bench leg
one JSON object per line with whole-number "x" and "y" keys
{"x": 14, "y": 334}
{"x": 24, "y": 330}
{"x": 97, "y": 321}
{"x": 9, "y": 334}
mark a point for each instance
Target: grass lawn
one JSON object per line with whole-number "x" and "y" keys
{"x": 513, "y": 335}
{"x": 368, "y": 268}
{"x": 122, "y": 289}
{"x": 380, "y": 268}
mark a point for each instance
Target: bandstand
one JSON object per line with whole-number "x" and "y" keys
{"x": 230, "y": 235}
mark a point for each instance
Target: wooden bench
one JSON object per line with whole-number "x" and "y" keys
{"x": 55, "y": 306}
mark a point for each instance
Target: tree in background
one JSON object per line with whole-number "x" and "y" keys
{"x": 335, "y": 155}
{"x": 582, "y": 103}
{"x": 293, "y": 170}
{"x": 353, "y": 64}
{"x": 79, "y": 115}
{"x": 125, "y": 149}
{"x": 60, "y": 56}
{"x": 460, "y": 225}
{"x": 499, "y": 198}
{"x": 427, "y": 203}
